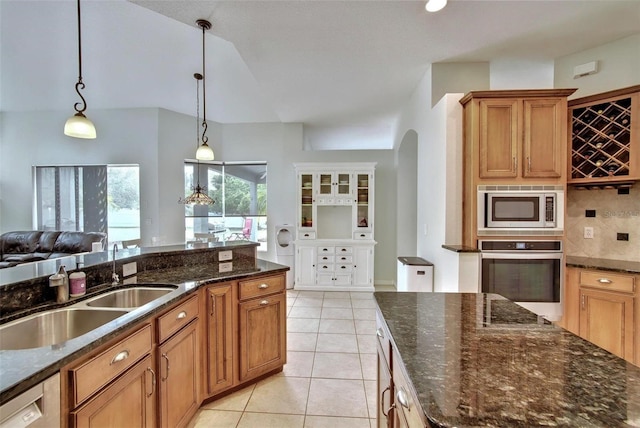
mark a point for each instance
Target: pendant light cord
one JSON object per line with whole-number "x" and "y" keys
{"x": 205, "y": 139}
{"x": 80, "y": 84}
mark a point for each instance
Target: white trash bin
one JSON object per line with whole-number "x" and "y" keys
{"x": 414, "y": 274}
{"x": 285, "y": 235}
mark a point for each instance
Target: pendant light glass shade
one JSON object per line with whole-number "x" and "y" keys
{"x": 204, "y": 152}
{"x": 78, "y": 126}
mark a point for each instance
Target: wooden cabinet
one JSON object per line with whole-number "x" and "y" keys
{"x": 127, "y": 402}
{"x": 114, "y": 385}
{"x": 602, "y": 307}
{"x": 262, "y": 326}
{"x": 178, "y": 363}
{"x": 219, "y": 346}
{"x": 517, "y": 134}
{"x": 605, "y": 132}
{"x": 511, "y": 137}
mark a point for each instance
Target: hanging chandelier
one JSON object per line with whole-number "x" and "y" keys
{"x": 199, "y": 195}
{"x": 204, "y": 152}
{"x": 78, "y": 125}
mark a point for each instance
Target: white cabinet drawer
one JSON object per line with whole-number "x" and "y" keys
{"x": 365, "y": 236}
{"x": 344, "y": 259}
{"x": 327, "y": 267}
{"x": 344, "y": 250}
{"x": 326, "y": 259}
{"x": 344, "y": 268}
{"x": 326, "y": 250}
{"x": 307, "y": 235}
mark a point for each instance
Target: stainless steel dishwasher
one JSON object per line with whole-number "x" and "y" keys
{"x": 39, "y": 407}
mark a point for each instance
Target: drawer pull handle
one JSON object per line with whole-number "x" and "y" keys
{"x": 167, "y": 375}
{"x": 362, "y": 235}
{"x": 343, "y": 267}
{"x": 343, "y": 258}
{"x": 344, "y": 250}
{"x": 264, "y": 302}
{"x": 263, "y": 286}
{"x": 120, "y": 356}
{"x": 325, "y": 258}
{"x": 153, "y": 381}
{"x": 402, "y": 397}
{"x": 213, "y": 305}
{"x": 379, "y": 333}
{"x": 388, "y": 388}
{"x": 306, "y": 235}
{"x": 181, "y": 315}
{"x": 582, "y": 302}
{"x": 604, "y": 281}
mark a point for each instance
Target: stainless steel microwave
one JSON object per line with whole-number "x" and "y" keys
{"x": 520, "y": 210}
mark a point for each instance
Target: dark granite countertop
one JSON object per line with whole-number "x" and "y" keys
{"x": 479, "y": 360}
{"x": 460, "y": 248}
{"x": 21, "y": 369}
{"x": 603, "y": 264}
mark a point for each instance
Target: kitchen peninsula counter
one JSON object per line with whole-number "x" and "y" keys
{"x": 480, "y": 360}
{"x": 612, "y": 265}
{"x": 21, "y": 369}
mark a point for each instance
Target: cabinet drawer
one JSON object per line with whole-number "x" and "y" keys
{"x": 607, "y": 281}
{"x": 326, "y": 267}
{"x": 101, "y": 369}
{"x": 344, "y": 250}
{"x": 326, "y": 259}
{"x": 176, "y": 318}
{"x": 363, "y": 235}
{"x": 344, "y": 259}
{"x": 383, "y": 339}
{"x": 326, "y": 250}
{"x": 406, "y": 403}
{"x": 343, "y": 268}
{"x": 307, "y": 235}
{"x": 261, "y": 286}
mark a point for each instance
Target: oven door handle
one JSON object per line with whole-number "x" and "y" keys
{"x": 525, "y": 255}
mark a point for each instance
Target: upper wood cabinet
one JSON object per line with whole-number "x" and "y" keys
{"x": 515, "y": 135}
{"x": 605, "y": 130}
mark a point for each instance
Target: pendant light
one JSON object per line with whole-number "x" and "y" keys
{"x": 199, "y": 195}
{"x": 435, "y": 5}
{"x": 78, "y": 125}
{"x": 204, "y": 152}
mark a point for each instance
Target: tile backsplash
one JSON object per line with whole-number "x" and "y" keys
{"x": 614, "y": 214}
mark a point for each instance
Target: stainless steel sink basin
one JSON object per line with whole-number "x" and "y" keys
{"x": 53, "y": 327}
{"x": 128, "y": 297}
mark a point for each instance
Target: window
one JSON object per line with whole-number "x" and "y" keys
{"x": 92, "y": 198}
{"x": 239, "y": 190}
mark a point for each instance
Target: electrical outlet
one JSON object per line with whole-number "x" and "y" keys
{"x": 129, "y": 269}
{"x": 225, "y": 267}
{"x": 225, "y": 255}
{"x": 588, "y": 232}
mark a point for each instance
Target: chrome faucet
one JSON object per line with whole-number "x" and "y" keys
{"x": 115, "y": 279}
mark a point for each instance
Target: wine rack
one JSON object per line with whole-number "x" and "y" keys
{"x": 601, "y": 140}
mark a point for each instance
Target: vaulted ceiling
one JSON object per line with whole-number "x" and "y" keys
{"x": 343, "y": 67}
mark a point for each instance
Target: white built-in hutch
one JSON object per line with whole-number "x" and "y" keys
{"x": 335, "y": 241}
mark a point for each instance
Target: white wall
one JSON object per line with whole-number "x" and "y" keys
{"x": 619, "y": 67}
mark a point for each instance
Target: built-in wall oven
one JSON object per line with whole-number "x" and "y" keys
{"x": 529, "y": 273}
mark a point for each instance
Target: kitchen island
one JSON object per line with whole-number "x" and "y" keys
{"x": 459, "y": 359}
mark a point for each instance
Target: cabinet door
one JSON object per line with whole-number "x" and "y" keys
{"x": 385, "y": 393}
{"x": 306, "y": 207}
{"x": 363, "y": 266}
{"x": 343, "y": 185}
{"x": 499, "y": 138}
{"x": 305, "y": 265}
{"x": 326, "y": 181}
{"x": 363, "y": 212}
{"x": 571, "y": 302}
{"x": 219, "y": 338}
{"x": 179, "y": 377}
{"x": 544, "y": 137}
{"x": 606, "y": 319}
{"x": 127, "y": 402}
{"x": 263, "y": 337}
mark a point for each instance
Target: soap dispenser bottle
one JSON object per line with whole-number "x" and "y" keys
{"x": 61, "y": 281}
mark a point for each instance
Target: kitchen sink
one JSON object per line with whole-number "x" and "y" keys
{"x": 53, "y": 327}
{"x": 128, "y": 297}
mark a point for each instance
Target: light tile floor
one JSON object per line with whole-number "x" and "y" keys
{"x": 330, "y": 376}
